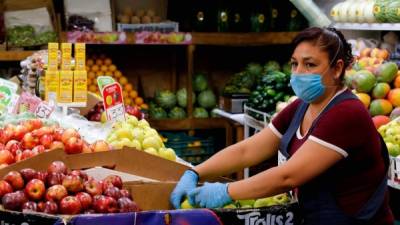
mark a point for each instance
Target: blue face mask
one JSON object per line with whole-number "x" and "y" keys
{"x": 307, "y": 87}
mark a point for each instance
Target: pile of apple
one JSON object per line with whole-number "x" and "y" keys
{"x": 280, "y": 199}
{"x": 97, "y": 113}
{"x": 138, "y": 134}
{"x": 60, "y": 191}
{"x": 31, "y": 137}
{"x": 391, "y": 135}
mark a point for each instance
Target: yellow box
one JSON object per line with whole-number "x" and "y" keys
{"x": 80, "y": 86}
{"x": 52, "y": 85}
{"x": 66, "y": 52}
{"x": 66, "y": 86}
{"x": 52, "y": 56}
{"x": 80, "y": 56}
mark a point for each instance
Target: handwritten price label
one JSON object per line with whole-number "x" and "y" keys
{"x": 114, "y": 102}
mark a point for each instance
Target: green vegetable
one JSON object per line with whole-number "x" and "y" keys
{"x": 166, "y": 99}
{"x": 380, "y": 10}
{"x": 177, "y": 113}
{"x": 392, "y": 12}
{"x": 271, "y": 66}
{"x": 157, "y": 113}
{"x": 181, "y": 96}
{"x": 207, "y": 99}
{"x": 200, "y": 113}
{"x": 200, "y": 82}
{"x": 254, "y": 69}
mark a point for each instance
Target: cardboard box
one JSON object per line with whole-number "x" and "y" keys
{"x": 92, "y": 100}
{"x": 126, "y": 160}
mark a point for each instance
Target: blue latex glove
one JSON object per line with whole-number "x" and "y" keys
{"x": 211, "y": 195}
{"x": 187, "y": 183}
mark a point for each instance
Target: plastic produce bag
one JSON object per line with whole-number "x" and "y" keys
{"x": 312, "y": 12}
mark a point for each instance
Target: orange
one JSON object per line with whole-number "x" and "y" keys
{"x": 117, "y": 74}
{"x": 92, "y": 88}
{"x": 133, "y": 94}
{"x": 396, "y": 81}
{"x": 138, "y": 101}
{"x": 144, "y": 106}
{"x": 128, "y": 101}
{"x": 104, "y": 68}
{"x": 87, "y": 68}
{"x": 90, "y": 62}
{"x": 107, "y": 61}
{"x": 128, "y": 87}
{"x": 99, "y": 73}
{"x": 112, "y": 68}
{"x": 125, "y": 94}
{"x": 95, "y": 68}
{"x": 123, "y": 81}
{"x": 89, "y": 82}
{"x": 99, "y": 62}
{"x": 394, "y": 97}
{"x": 91, "y": 75}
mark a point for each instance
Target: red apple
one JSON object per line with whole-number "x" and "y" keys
{"x": 41, "y": 176}
{"x": 56, "y": 193}
{"x": 26, "y": 154}
{"x": 57, "y": 167}
{"x": 6, "y": 157}
{"x": 38, "y": 149}
{"x": 54, "y": 178}
{"x": 70, "y": 205}
{"x": 29, "y": 141}
{"x": 85, "y": 199}
{"x": 104, "y": 204}
{"x": 113, "y": 192}
{"x": 93, "y": 187}
{"x": 56, "y": 145}
{"x": 28, "y": 174}
{"x": 20, "y": 132}
{"x": 46, "y": 140}
{"x": 68, "y": 134}
{"x": 15, "y": 179}
{"x": 35, "y": 189}
{"x": 57, "y": 134}
{"x": 13, "y": 146}
{"x": 72, "y": 183}
{"x": 36, "y": 123}
{"x": 73, "y": 145}
{"x": 50, "y": 207}
{"x": 127, "y": 205}
{"x": 43, "y": 131}
{"x": 125, "y": 193}
{"x": 14, "y": 200}
{"x": 40, "y": 206}
{"x": 2, "y": 146}
{"x": 5, "y": 136}
{"x": 18, "y": 156}
{"x": 112, "y": 180}
{"x": 5, "y": 188}
{"x": 100, "y": 146}
{"x": 29, "y": 207}
{"x": 134, "y": 111}
{"x": 10, "y": 127}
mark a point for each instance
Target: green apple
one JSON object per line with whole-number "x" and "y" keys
{"x": 390, "y": 132}
{"x": 281, "y": 199}
{"x": 394, "y": 150}
{"x": 134, "y": 144}
{"x": 389, "y": 139}
{"x": 143, "y": 123}
{"x": 112, "y": 137}
{"x": 264, "y": 202}
{"x": 152, "y": 151}
{"x": 117, "y": 145}
{"x": 149, "y": 132}
{"x": 246, "y": 202}
{"x": 132, "y": 120}
{"x": 137, "y": 134}
{"x": 117, "y": 125}
{"x": 167, "y": 153}
{"x": 230, "y": 206}
{"x": 382, "y": 130}
{"x": 186, "y": 205}
{"x": 124, "y": 133}
{"x": 396, "y": 139}
{"x": 151, "y": 142}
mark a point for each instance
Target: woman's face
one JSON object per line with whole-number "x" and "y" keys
{"x": 308, "y": 58}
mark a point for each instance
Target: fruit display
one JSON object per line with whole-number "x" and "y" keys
{"x": 130, "y": 16}
{"x": 103, "y": 66}
{"x": 376, "y": 82}
{"x": 138, "y": 134}
{"x": 169, "y": 105}
{"x": 391, "y": 135}
{"x": 61, "y": 191}
{"x": 27, "y": 36}
{"x": 272, "y": 87}
{"x": 280, "y": 199}
{"x": 97, "y": 113}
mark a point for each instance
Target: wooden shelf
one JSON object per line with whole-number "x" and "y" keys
{"x": 14, "y": 55}
{"x": 189, "y": 124}
{"x": 243, "y": 39}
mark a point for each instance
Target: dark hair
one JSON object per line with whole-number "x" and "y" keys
{"x": 329, "y": 40}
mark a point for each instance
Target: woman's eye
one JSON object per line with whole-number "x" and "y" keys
{"x": 293, "y": 64}
{"x": 308, "y": 65}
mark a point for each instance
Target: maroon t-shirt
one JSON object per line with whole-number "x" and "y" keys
{"x": 346, "y": 128}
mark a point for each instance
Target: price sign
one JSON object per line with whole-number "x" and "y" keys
{"x": 43, "y": 110}
{"x": 113, "y": 102}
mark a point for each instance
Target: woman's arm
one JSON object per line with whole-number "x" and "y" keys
{"x": 248, "y": 152}
{"x": 310, "y": 160}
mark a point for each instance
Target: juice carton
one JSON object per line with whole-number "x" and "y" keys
{"x": 80, "y": 86}
{"x": 52, "y": 56}
{"x": 80, "y": 56}
{"x": 66, "y": 51}
{"x": 66, "y": 86}
{"x": 52, "y": 85}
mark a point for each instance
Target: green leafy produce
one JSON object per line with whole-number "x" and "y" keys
{"x": 207, "y": 99}
{"x": 200, "y": 82}
{"x": 25, "y": 36}
{"x": 177, "y": 113}
{"x": 158, "y": 113}
{"x": 181, "y": 96}
{"x": 271, "y": 66}
{"x": 287, "y": 69}
{"x": 166, "y": 99}
{"x": 254, "y": 69}
{"x": 199, "y": 112}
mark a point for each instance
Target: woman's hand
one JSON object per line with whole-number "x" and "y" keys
{"x": 210, "y": 195}
{"x": 187, "y": 183}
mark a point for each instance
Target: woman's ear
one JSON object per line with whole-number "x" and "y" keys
{"x": 339, "y": 68}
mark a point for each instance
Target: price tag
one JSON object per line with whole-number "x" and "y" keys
{"x": 43, "y": 110}
{"x": 113, "y": 102}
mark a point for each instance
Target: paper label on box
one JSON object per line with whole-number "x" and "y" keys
{"x": 66, "y": 87}
{"x": 80, "y": 86}
{"x": 113, "y": 102}
{"x": 102, "y": 81}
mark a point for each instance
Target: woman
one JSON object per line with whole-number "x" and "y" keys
{"x": 329, "y": 149}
